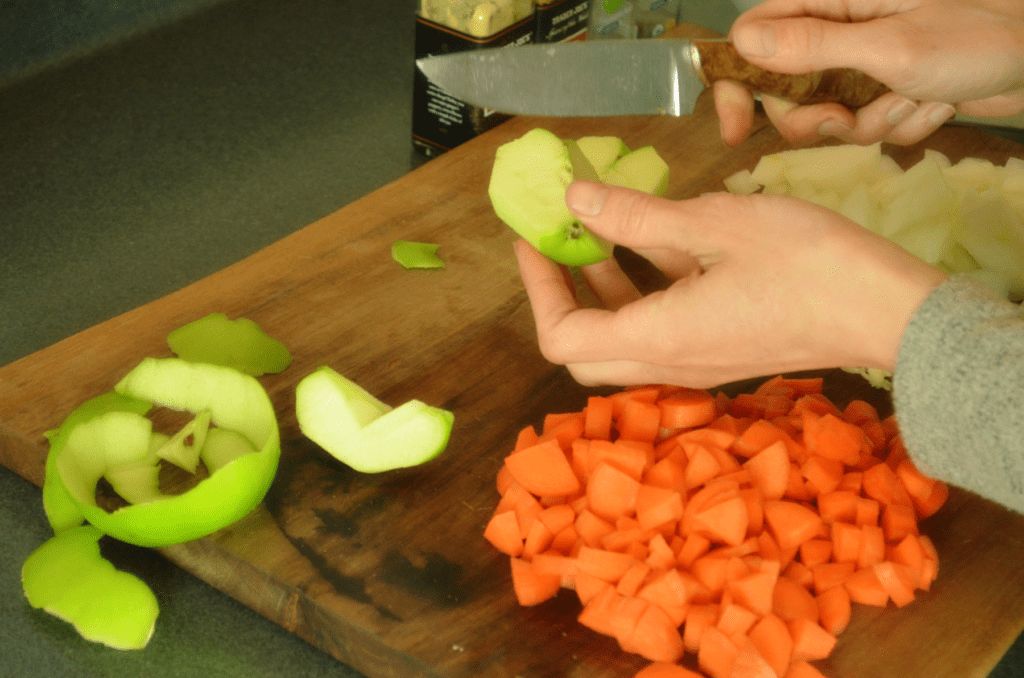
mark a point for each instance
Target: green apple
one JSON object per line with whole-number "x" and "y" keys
{"x": 642, "y": 170}
{"x": 68, "y": 578}
{"x": 527, "y": 190}
{"x": 416, "y": 254}
{"x": 364, "y": 433}
{"x": 602, "y": 151}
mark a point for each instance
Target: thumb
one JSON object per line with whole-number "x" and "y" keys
{"x": 801, "y": 45}
{"x": 625, "y": 217}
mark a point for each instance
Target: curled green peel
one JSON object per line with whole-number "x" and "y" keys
{"x": 235, "y": 402}
{"x": 68, "y": 578}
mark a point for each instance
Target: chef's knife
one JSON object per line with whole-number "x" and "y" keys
{"x": 625, "y": 77}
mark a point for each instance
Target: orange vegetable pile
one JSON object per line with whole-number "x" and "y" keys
{"x": 739, "y": 529}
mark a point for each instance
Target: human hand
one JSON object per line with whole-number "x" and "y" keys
{"x": 763, "y": 284}
{"x": 938, "y": 56}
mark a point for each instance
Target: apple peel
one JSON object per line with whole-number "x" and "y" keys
{"x": 416, "y": 254}
{"x": 357, "y": 429}
{"x": 68, "y": 578}
{"x": 240, "y": 343}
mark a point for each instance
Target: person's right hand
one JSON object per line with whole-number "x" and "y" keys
{"x": 938, "y": 56}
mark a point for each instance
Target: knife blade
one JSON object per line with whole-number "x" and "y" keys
{"x": 625, "y": 77}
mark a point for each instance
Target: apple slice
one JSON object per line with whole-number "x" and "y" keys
{"x": 602, "y": 151}
{"x": 642, "y": 170}
{"x": 364, "y": 433}
{"x": 527, "y": 191}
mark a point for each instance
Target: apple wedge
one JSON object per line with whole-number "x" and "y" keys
{"x": 364, "y": 433}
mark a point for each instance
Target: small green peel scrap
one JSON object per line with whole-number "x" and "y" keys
{"x": 416, "y": 254}
{"x": 68, "y": 578}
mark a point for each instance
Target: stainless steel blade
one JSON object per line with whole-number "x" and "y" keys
{"x": 586, "y": 78}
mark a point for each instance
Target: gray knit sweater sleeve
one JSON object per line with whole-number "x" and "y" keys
{"x": 958, "y": 390}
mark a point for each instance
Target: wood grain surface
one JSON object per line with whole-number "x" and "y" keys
{"x": 389, "y": 573}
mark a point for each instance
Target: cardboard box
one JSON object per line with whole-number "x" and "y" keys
{"x": 441, "y": 122}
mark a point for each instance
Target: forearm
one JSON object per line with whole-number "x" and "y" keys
{"x": 958, "y": 391}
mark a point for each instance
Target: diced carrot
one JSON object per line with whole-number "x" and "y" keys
{"x": 810, "y": 640}
{"x": 770, "y": 469}
{"x": 588, "y": 586}
{"x": 567, "y": 540}
{"x": 823, "y": 473}
{"x": 630, "y": 582}
{"x": 639, "y": 421}
{"x": 864, "y": 588}
{"x": 770, "y": 636}
{"x": 766, "y": 406}
{"x": 897, "y": 580}
{"x": 531, "y": 587}
{"x": 503, "y": 532}
{"x": 846, "y": 540}
{"x": 668, "y": 473}
{"x": 611, "y": 492}
{"x": 834, "y": 609}
{"x": 597, "y": 424}
{"x": 657, "y": 505}
{"x": 800, "y": 573}
{"x": 699, "y": 618}
{"x": 838, "y": 505}
{"x": 719, "y": 437}
{"x": 656, "y": 636}
{"x": 930, "y": 566}
{"x": 796, "y": 489}
{"x": 711, "y": 571}
{"x": 792, "y": 601}
{"x": 622, "y": 538}
{"x": 646, "y": 394}
{"x": 606, "y": 565}
{"x": 716, "y": 654}
{"x": 527, "y": 437}
{"x": 668, "y": 589}
{"x": 625, "y": 613}
{"x": 538, "y": 539}
{"x": 724, "y": 521}
{"x": 695, "y": 546}
{"x": 755, "y": 591}
{"x": 661, "y": 555}
{"x": 801, "y": 669}
{"x": 868, "y": 511}
{"x": 814, "y": 403}
{"x": 701, "y": 467}
{"x": 543, "y": 469}
{"x": 592, "y": 528}
{"x": 860, "y": 412}
{"x": 898, "y": 521}
{"x": 815, "y": 552}
{"x": 792, "y": 524}
{"x": 554, "y": 564}
{"x": 910, "y": 553}
{"x": 827, "y": 575}
{"x": 735, "y": 619}
{"x": 933, "y": 502}
{"x": 688, "y": 408}
{"x": 872, "y": 546}
{"x": 759, "y": 435}
{"x": 750, "y": 663}
{"x": 598, "y": 613}
{"x": 755, "y": 510}
{"x": 882, "y": 485}
{"x": 665, "y": 670}
{"x": 503, "y": 480}
{"x": 557, "y": 517}
{"x": 563, "y": 428}
{"x": 629, "y": 459}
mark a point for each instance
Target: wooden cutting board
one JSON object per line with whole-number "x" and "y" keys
{"x": 389, "y": 573}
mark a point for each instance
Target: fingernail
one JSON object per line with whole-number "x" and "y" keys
{"x": 900, "y": 111}
{"x": 834, "y": 128}
{"x": 938, "y": 113}
{"x": 585, "y": 198}
{"x": 755, "y": 39}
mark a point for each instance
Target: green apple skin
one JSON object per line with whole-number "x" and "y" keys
{"x": 527, "y": 190}
{"x": 364, "y": 433}
{"x": 68, "y": 578}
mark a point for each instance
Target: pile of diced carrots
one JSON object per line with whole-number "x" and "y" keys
{"x": 738, "y": 529}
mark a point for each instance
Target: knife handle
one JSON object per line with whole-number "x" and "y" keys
{"x": 719, "y": 60}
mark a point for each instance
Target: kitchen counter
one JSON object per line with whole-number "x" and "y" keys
{"x": 145, "y": 166}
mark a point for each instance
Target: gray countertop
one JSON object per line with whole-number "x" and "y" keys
{"x": 143, "y": 166}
